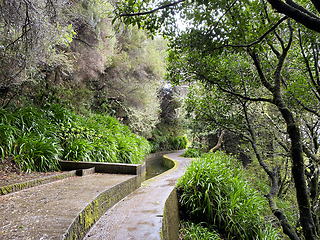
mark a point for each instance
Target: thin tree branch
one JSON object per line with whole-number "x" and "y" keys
{"x": 302, "y": 9}
{"x": 277, "y": 74}
{"x": 310, "y": 154}
{"x": 151, "y": 11}
{"x": 263, "y": 79}
{"x": 308, "y": 65}
{"x": 258, "y": 40}
{"x": 217, "y": 23}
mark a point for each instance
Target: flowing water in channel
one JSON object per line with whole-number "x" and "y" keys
{"x": 155, "y": 167}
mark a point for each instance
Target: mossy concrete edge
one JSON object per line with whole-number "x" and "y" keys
{"x": 171, "y": 219}
{"x": 95, "y": 209}
{"x": 35, "y": 182}
{"x": 169, "y": 163}
{"x": 104, "y": 201}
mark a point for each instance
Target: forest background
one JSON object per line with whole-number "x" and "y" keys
{"x": 71, "y": 53}
{"x": 254, "y": 68}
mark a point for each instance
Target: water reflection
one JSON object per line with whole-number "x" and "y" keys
{"x": 155, "y": 167}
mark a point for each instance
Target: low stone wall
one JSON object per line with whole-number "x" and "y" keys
{"x": 35, "y": 182}
{"x": 171, "y": 220}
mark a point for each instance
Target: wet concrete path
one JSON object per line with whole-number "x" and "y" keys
{"x": 46, "y": 211}
{"x": 139, "y": 215}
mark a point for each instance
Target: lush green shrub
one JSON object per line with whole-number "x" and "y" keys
{"x": 37, "y": 138}
{"x": 101, "y": 138}
{"x": 77, "y": 150}
{"x": 177, "y": 143}
{"x": 38, "y": 153}
{"x": 154, "y": 146}
{"x": 7, "y": 138}
{"x": 214, "y": 190}
{"x": 163, "y": 143}
{"x": 191, "y": 231}
{"x": 192, "y": 153}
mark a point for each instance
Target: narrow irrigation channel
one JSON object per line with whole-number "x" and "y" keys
{"x": 141, "y": 215}
{"x": 155, "y": 166}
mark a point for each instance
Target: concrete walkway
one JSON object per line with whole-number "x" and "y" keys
{"x": 139, "y": 215}
{"x": 65, "y": 209}
{"x": 47, "y": 211}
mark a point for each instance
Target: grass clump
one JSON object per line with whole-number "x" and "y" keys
{"x": 214, "y": 190}
{"x": 192, "y": 153}
{"x": 38, "y": 137}
{"x": 192, "y": 231}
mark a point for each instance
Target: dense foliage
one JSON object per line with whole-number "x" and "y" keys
{"x": 37, "y": 138}
{"x": 192, "y": 231}
{"x": 70, "y": 52}
{"x": 192, "y": 153}
{"x": 255, "y": 73}
{"x": 169, "y": 133}
{"x": 214, "y": 190}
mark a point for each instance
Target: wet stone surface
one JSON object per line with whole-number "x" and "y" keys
{"x": 46, "y": 211}
{"x": 139, "y": 215}
{"x": 13, "y": 178}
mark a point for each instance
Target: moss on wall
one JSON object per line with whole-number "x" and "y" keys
{"x": 35, "y": 182}
{"x": 94, "y": 210}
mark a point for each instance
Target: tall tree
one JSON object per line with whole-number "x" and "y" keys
{"x": 260, "y": 39}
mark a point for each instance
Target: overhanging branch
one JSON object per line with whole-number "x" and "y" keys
{"x": 151, "y": 11}
{"x": 300, "y": 14}
{"x": 258, "y": 40}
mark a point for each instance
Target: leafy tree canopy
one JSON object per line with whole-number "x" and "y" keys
{"x": 250, "y": 56}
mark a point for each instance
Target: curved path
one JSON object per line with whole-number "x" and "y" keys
{"x": 139, "y": 215}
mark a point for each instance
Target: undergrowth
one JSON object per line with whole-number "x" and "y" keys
{"x": 214, "y": 190}
{"x": 37, "y": 138}
{"x": 192, "y": 153}
{"x": 192, "y": 231}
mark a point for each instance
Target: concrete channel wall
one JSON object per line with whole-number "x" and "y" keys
{"x": 89, "y": 215}
{"x": 107, "y": 199}
{"x": 94, "y": 210}
{"x": 171, "y": 219}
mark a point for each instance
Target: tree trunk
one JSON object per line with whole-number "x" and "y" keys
{"x": 218, "y": 145}
{"x": 298, "y": 169}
